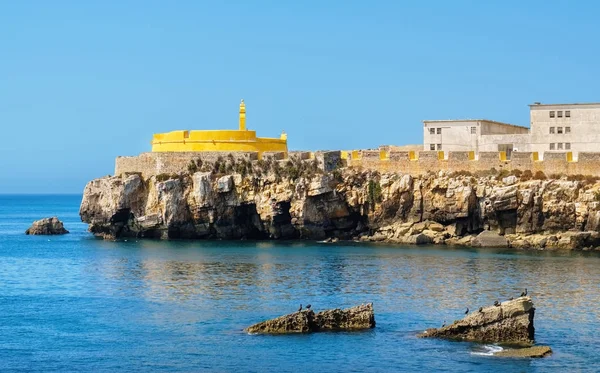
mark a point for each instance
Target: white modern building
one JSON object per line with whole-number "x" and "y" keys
{"x": 474, "y": 135}
{"x": 553, "y": 127}
{"x": 565, "y": 127}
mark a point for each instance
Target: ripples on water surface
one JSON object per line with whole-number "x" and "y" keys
{"x": 74, "y": 303}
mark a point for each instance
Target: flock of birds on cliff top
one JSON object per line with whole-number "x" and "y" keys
{"x": 496, "y": 304}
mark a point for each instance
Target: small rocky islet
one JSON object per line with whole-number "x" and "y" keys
{"x": 306, "y": 320}
{"x": 47, "y": 226}
{"x": 508, "y": 322}
{"x": 296, "y": 199}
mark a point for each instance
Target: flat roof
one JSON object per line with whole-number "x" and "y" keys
{"x": 573, "y": 104}
{"x": 473, "y": 120}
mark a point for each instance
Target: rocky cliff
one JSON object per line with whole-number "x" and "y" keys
{"x": 289, "y": 200}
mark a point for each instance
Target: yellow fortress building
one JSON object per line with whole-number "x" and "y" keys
{"x": 241, "y": 140}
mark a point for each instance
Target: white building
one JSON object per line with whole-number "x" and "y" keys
{"x": 565, "y": 127}
{"x": 554, "y": 127}
{"x": 474, "y": 135}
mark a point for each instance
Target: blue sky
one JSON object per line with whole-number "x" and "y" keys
{"x": 84, "y": 81}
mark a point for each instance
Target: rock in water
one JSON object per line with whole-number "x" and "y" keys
{"x": 47, "y": 226}
{"x": 535, "y": 351}
{"x": 510, "y": 322}
{"x": 359, "y": 317}
{"x": 355, "y": 318}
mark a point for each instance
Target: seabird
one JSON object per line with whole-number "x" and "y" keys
{"x": 467, "y": 311}
{"x": 480, "y": 309}
{"x": 444, "y": 324}
{"x": 497, "y": 304}
{"x": 300, "y": 309}
{"x": 308, "y": 306}
{"x": 524, "y": 294}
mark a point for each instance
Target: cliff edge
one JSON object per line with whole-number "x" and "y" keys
{"x": 297, "y": 200}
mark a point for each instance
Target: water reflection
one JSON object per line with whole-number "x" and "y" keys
{"x": 443, "y": 281}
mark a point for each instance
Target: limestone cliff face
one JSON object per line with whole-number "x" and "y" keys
{"x": 348, "y": 204}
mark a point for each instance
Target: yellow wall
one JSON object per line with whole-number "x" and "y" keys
{"x": 216, "y": 141}
{"x": 240, "y": 140}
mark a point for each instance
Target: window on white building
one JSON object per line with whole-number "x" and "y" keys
{"x": 432, "y": 131}
{"x": 568, "y": 146}
{"x": 439, "y": 146}
{"x": 559, "y": 114}
{"x": 552, "y": 114}
{"x": 473, "y": 130}
{"x": 551, "y": 146}
{"x": 439, "y": 131}
{"x": 567, "y": 113}
{"x": 567, "y": 129}
{"x": 559, "y": 146}
{"x": 551, "y": 129}
{"x": 559, "y": 130}
{"x": 431, "y": 146}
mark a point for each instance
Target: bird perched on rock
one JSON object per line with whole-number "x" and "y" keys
{"x": 444, "y": 324}
{"x": 308, "y": 306}
{"x": 467, "y": 311}
{"x": 300, "y": 309}
{"x": 480, "y": 309}
{"x": 497, "y": 304}
{"x": 524, "y": 294}
{"x": 511, "y": 298}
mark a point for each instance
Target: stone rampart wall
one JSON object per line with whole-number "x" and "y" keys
{"x": 418, "y": 163}
{"x": 149, "y": 164}
{"x": 415, "y": 163}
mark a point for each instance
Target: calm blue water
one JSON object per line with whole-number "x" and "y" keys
{"x": 75, "y": 303}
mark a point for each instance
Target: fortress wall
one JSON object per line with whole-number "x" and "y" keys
{"x": 489, "y": 160}
{"x": 522, "y": 161}
{"x": 430, "y": 160}
{"x": 424, "y": 161}
{"x": 588, "y": 163}
{"x": 299, "y": 155}
{"x": 458, "y": 160}
{"x": 556, "y": 163}
{"x": 155, "y": 163}
{"x": 328, "y": 160}
{"x": 399, "y": 156}
{"x": 143, "y": 163}
{"x": 415, "y": 163}
{"x": 276, "y": 156}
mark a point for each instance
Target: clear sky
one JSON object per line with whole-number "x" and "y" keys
{"x": 84, "y": 81}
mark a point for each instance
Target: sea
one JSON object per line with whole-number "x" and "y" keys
{"x": 76, "y": 303}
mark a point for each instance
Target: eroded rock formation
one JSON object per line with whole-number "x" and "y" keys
{"x": 351, "y": 204}
{"x": 354, "y": 318}
{"x": 47, "y": 226}
{"x": 534, "y": 351}
{"x": 509, "y": 322}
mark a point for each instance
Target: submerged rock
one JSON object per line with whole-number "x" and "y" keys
{"x": 354, "y": 318}
{"x": 535, "y": 351}
{"x": 509, "y": 322}
{"x": 47, "y": 226}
